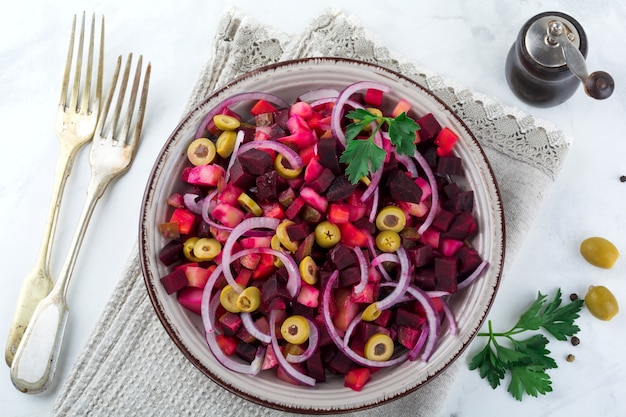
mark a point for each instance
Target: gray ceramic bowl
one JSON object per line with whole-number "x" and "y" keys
{"x": 470, "y": 306}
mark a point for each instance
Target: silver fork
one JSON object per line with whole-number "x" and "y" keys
{"x": 77, "y": 115}
{"x": 112, "y": 152}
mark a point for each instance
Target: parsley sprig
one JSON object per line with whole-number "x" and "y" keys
{"x": 363, "y": 156}
{"x": 527, "y": 360}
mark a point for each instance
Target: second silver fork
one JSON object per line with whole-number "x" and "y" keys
{"x": 112, "y": 152}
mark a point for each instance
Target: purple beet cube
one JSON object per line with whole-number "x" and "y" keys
{"x": 446, "y": 270}
{"x": 174, "y": 281}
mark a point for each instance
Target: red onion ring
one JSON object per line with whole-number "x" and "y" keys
{"x": 233, "y": 156}
{"x": 248, "y": 323}
{"x": 192, "y": 204}
{"x": 452, "y": 324}
{"x": 404, "y": 279}
{"x": 434, "y": 197}
{"x": 473, "y": 276}
{"x": 358, "y": 289}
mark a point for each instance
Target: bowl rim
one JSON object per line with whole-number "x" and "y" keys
{"x": 149, "y": 190}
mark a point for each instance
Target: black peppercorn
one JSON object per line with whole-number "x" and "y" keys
{"x": 575, "y": 341}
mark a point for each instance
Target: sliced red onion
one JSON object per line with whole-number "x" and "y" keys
{"x": 339, "y": 341}
{"x": 373, "y": 184}
{"x": 311, "y": 348}
{"x": 358, "y": 289}
{"x": 317, "y": 94}
{"x": 415, "y": 350}
{"x": 290, "y": 155}
{"x": 434, "y": 197}
{"x": 372, "y": 247}
{"x": 385, "y": 257}
{"x": 282, "y": 361}
{"x": 350, "y": 329}
{"x": 233, "y": 156}
{"x": 374, "y": 207}
{"x": 408, "y": 164}
{"x": 248, "y": 323}
{"x": 404, "y": 280}
{"x": 207, "y": 206}
{"x": 432, "y": 318}
{"x": 343, "y": 98}
{"x": 473, "y": 276}
{"x": 192, "y": 203}
{"x": 248, "y": 369}
{"x": 452, "y": 324}
{"x": 238, "y": 98}
{"x": 294, "y": 282}
{"x": 437, "y": 293}
{"x": 239, "y": 230}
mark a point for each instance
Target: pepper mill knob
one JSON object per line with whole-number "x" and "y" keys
{"x": 599, "y": 85}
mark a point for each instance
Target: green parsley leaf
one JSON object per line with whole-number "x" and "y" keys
{"x": 363, "y": 156}
{"x": 527, "y": 360}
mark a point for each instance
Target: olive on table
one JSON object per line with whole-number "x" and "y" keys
{"x": 601, "y": 302}
{"x": 599, "y": 251}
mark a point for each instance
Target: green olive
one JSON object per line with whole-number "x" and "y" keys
{"x": 225, "y": 122}
{"x": 388, "y": 241}
{"x": 249, "y": 204}
{"x": 308, "y": 270}
{"x": 371, "y": 312}
{"x": 379, "y": 347}
{"x": 225, "y": 144}
{"x": 188, "y": 249}
{"x": 201, "y": 151}
{"x": 283, "y": 171}
{"x": 599, "y": 251}
{"x": 228, "y": 299}
{"x": 327, "y": 234}
{"x": 295, "y": 329}
{"x": 206, "y": 249}
{"x": 283, "y": 237}
{"x": 391, "y": 218}
{"x": 601, "y": 302}
{"x": 249, "y": 299}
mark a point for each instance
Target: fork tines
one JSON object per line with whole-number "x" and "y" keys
{"x": 70, "y": 94}
{"x": 110, "y": 128}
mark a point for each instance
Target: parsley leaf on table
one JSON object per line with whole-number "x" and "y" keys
{"x": 363, "y": 156}
{"x": 527, "y": 360}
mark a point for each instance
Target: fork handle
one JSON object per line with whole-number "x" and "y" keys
{"x": 37, "y": 283}
{"x": 36, "y": 358}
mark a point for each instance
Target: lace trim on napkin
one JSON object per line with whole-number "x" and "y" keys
{"x": 505, "y": 129}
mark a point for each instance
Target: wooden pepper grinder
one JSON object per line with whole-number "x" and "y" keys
{"x": 546, "y": 64}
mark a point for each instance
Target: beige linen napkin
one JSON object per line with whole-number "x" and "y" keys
{"x": 130, "y": 367}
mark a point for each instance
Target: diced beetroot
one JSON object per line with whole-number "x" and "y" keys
{"x": 239, "y": 177}
{"x": 313, "y": 170}
{"x": 228, "y": 215}
{"x": 405, "y": 317}
{"x": 462, "y": 226}
{"x": 244, "y": 335}
{"x": 446, "y": 274}
{"x": 424, "y": 186}
{"x": 265, "y": 267}
{"x": 469, "y": 259}
{"x": 253, "y": 242}
{"x": 280, "y": 373}
{"x": 273, "y": 210}
{"x": 338, "y": 213}
{"x": 346, "y": 309}
{"x": 171, "y": 253}
{"x": 307, "y": 154}
{"x": 303, "y": 310}
{"x": 246, "y": 351}
{"x": 176, "y": 200}
{"x": 270, "y": 360}
{"x": 429, "y": 127}
{"x": 364, "y": 330}
{"x": 356, "y": 212}
{"x": 327, "y": 150}
{"x": 228, "y": 344}
{"x": 174, "y": 281}
{"x": 302, "y": 109}
{"x": 313, "y": 199}
{"x": 294, "y": 208}
{"x": 373, "y": 97}
{"x": 309, "y": 295}
{"x": 430, "y": 237}
{"x": 420, "y": 255}
{"x": 402, "y": 188}
{"x": 296, "y": 124}
{"x": 443, "y": 220}
{"x": 255, "y": 161}
{"x": 451, "y": 189}
{"x": 267, "y": 186}
{"x": 384, "y": 319}
{"x": 450, "y": 165}
{"x": 416, "y": 210}
{"x": 341, "y": 256}
{"x": 460, "y": 201}
{"x": 340, "y": 189}
{"x": 402, "y": 106}
{"x": 425, "y": 278}
{"x": 191, "y": 299}
{"x": 185, "y": 220}
{"x": 323, "y": 181}
{"x": 373, "y": 275}
{"x": 315, "y": 367}
{"x": 352, "y": 236}
{"x": 305, "y": 248}
{"x": 298, "y": 231}
{"x": 445, "y": 141}
{"x": 262, "y": 106}
{"x": 229, "y": 194}
{"x": 250, "y": 260}
{"x": 230, "y": 323}
{"x": 299, "y": 140}
{"x": 449, "y": 247}
{"x": 204, "y": 175}
{"x": 339, "y": 363}
{"x": 367, "y": 295}
{"x": 197, "y": 276}
{"x": 356, "y": 378}
{"x": 408, "y": 336}
{"x": 349, "y": 276}
{"x": 243, "y": 277}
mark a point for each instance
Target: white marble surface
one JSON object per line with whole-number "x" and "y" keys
{"x": 463, "y": 40}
